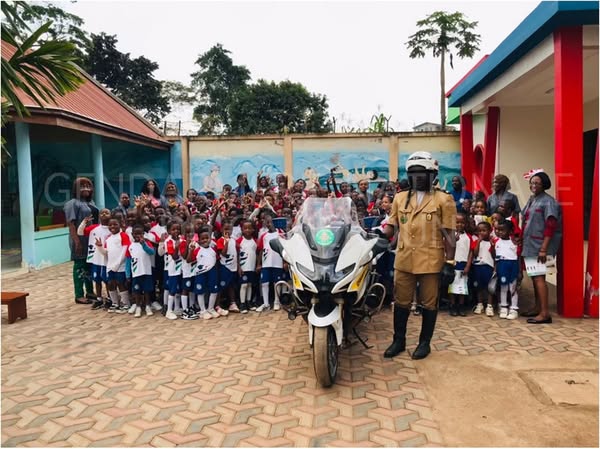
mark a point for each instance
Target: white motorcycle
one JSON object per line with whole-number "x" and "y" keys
{"x": 334, "y": 285}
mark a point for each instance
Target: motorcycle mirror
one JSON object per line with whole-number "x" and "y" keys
{"x": 276, "y": 246}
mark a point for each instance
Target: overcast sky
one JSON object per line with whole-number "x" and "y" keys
{"x": 352, "y": 52}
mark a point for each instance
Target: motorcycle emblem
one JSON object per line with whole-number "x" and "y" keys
{"x": 325, "y": 237}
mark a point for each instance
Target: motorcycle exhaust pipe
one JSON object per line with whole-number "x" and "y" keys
{"x": 285, "y": 294}
{"x": 375, "y": 296}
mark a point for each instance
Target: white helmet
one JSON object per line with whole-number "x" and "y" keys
{"x": 422, "y": 159}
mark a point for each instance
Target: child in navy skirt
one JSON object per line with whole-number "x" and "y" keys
{"x": 508, "y": 269}
{"x": 482, "y": 262}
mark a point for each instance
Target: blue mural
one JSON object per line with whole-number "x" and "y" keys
{"x": 350, "y": 166}
{"x": 210, "y": 174}
{"x": 449, "y": 166}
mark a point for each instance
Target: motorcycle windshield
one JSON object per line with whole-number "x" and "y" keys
{"x": 326, "y": 223}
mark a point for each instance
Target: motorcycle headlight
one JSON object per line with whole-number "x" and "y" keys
{"x": 346, "y": 271}
{"x": 305, "y": 271}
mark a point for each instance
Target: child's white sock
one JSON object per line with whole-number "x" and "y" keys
{"x": 184, "y": 302}
{"x": 125, "y": 297}
{"x": 503, "y": 294}
{"x": 202, "y": 302}
{"x": 212, "y": 300}
{"x": 170, "y": 303}
{"x": 243, "y": 292}
{"x": 114, "y": 297}
{"x": 265, "y": 293}
{"x": 514, "y": 299}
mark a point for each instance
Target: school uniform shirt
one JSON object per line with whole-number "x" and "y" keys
{"x": 463, "y": 246}
{"x": 129, "y": 231}
{"x": 116, "y": 247}
{"x": 187, "y": 268}
{"x": 206, "y": 259}
{"x": 270, "y": 259}
{"x": 247, "y": 251}
{"x": 172, "y": 266}
{"x": 153, "y": 238}
{"x": 94, "y": 232}
{"x": 141, "y": 261}
{"x": 484, "y": 257}
{"x": 506, "y": 250}
{"x": 229, "y": 260}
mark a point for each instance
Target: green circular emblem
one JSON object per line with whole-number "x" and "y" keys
{"x": 324, "y": 237}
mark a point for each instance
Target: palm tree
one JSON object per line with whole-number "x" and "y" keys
{"x": 42, "y": 70}
{"x": 440, "y": 32}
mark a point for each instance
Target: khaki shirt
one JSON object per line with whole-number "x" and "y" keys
{"x": 420, "y": 239}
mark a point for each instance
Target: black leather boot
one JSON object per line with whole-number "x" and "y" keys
{"x": 399, "y": 343}
{"x": 427, "y": 327}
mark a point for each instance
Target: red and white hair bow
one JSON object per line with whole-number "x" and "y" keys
{"x": 532, "y": 172}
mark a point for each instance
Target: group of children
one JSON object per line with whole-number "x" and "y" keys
{"x": 204, "y": 256}
{"x": 488, "y": 267}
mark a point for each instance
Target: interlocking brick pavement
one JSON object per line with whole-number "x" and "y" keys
{"x": 76, "y": 377}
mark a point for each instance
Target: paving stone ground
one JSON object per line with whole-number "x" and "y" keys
{"x": 76, "y": 377}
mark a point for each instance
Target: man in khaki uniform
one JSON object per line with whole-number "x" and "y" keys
{"x": 425, "y": 219}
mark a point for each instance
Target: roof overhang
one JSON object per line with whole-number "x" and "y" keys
{"x": 65, "y": 119}
{"x": 534, "y": 38}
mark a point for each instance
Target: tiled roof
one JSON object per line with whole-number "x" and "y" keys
{"x": 93, "y": 102}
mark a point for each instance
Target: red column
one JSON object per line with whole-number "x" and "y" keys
{"x": 568, "y": 153}
{"x": 467, "y": 157}
{"x": 490, "y": 144}
{"x": 591, "y": 269}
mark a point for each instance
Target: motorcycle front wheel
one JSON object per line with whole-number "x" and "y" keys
{"x": 325, "y": 355}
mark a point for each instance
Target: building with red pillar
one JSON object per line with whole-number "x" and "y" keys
{"x": 533, "y": 103}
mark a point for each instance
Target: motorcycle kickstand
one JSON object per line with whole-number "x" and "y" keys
{"x": 364, "y": 342}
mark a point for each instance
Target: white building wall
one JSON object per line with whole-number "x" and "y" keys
{"x": 526, "y": 141}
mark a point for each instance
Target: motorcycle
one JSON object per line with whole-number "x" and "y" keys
{"x": 334, "y": 285}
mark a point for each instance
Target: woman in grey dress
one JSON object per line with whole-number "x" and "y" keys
{"x": 542, "y": 232}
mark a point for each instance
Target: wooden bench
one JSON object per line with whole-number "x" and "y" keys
{"x": 17, "y": 305}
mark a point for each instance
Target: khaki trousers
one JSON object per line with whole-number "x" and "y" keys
{"x": 405, "y": 285}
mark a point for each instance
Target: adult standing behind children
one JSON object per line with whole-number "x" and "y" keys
{"x": 500, "y": 185}
{"x": 459, "y": 193}
{"x": 151, "y": 191}
{"x": 76, "y": 210}
{"x": 542, "y": 232}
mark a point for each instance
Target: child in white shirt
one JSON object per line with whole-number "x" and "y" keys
{"x": 139, "y": 266}
{"x": 115, "y": 247}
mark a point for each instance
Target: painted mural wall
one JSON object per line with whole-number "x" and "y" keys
{"x": 217, "y": 162}
{"x": 351, "y": 158}
{"x": 446, "y": 149}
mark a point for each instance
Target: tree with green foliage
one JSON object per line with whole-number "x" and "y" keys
{"x": 441, "y": 33}
{"x": 231, "y": 105}
{"x": 131, "y": 80}
{"x": 42, "y": 69}
{"x": 65, "y": 26}
{"x": 271, "y": 108}
{"x": 178, "y": 93}
{"x": 217, "y": 83}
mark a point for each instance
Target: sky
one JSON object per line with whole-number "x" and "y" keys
{"x": 354, "y": 53}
